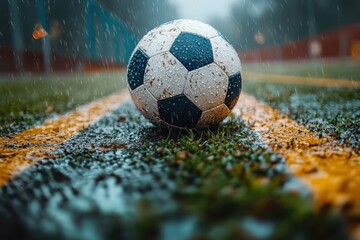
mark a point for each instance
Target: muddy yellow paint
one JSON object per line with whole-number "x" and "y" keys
{"x": 330, "y": 169}
{"x": 286, "y": 79}
{"x": 26, "y": 148}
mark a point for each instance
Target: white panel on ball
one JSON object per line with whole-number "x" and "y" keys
{"x": 165, "y": 76}
{"x": 197, "y": 27}
{"x": 146, "y": 103}
{"x": 159, "y": 40}
{"x": 206, "y": 87}
{"x": 225, "y": 56}
{"x": 214, "y": 115}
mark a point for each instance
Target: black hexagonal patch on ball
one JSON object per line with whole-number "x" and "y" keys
{"x": 234, "y": 89}
{"x": 179, "y": 111}
{"x": 136, "y": 69}
{"x": 192, "y": 50}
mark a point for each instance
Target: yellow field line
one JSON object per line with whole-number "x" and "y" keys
{"x": 286, "y": 79}
{"x": 331, "y": 170}
{"x": 24, "y": 149}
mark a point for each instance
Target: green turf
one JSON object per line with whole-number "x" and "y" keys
{"x": 327, "y": 69}
{"x": 130, "y": 180}
{"x": 25, "y": 101}
{"x": 324, "y": 110}
{"x": 225, "y": 178}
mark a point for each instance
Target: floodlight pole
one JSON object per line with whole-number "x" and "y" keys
{"x": 311, "y": 22}
{"x": 90, "y": 29}
{"x": 17, "y": 37}
{"x": 311, "y": 18}
{"x": 46, "y": 41}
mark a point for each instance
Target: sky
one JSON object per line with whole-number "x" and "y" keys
{"x": 203, "y": 10}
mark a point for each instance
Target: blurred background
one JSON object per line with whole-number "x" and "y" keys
{"x": 90, "y": 35}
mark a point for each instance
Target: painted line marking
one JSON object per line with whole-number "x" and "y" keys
{"x": 310, "y": 81}
{"x": 331, "y": 170}
{"x": 25, "y": 148}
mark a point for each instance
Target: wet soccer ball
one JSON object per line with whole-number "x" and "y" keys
{"x": 184, "y": 74}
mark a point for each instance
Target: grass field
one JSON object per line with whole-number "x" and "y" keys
{"x": 28, "y": 100}
{"x": 123, "y": 178}
{"x": 331, "y": 111}
{"x": 337, "y": 69}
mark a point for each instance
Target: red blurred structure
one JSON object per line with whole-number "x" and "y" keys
{"x": 340, "y": 43}
{"x": 34, "y": 62}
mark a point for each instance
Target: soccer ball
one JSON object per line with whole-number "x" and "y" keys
{"x": 184, "y": 74}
